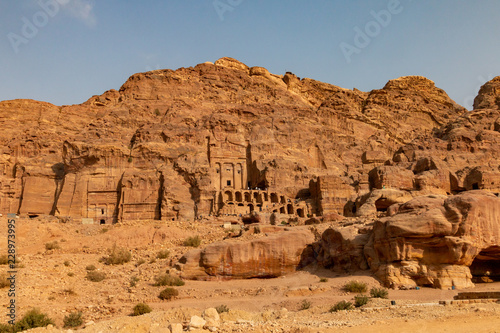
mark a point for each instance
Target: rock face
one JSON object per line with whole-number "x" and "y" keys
{"x": 265, "y": 257}
{"x": 488, "y": 96}
{"x": 226, "y": 139}
{"x": 214, "y": 139}
{"x": 341, "y": 249}
{"x": 432, "y": 241}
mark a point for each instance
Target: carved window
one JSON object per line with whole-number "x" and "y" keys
{"x": 228, "y": 183}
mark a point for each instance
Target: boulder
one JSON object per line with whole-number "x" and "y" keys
{"x": 341, "y": 249}
{"x": 212, "y": 318}
{"x": 265, "y": 257}
{"x": 196, "y": 322}
{"x": 176, "y": 328}
{"x": 433, "y": 240}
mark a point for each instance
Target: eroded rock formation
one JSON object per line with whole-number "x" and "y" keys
{"x": 227, "y": 139}
{"x": 212, "y": 139}
{"x": 264, "y": 257}
{"x": 434, "y": 240}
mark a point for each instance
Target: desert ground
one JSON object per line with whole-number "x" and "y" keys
{"x": 54, "y": 281}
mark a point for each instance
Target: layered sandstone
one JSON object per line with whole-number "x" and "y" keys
{"x": 264, "y": 257}
{"x": 231, "y": 141}
{"x": 433, "y": 240}
{"x": 172, "y": 145}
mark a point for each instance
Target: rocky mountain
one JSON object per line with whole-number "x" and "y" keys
{"x": 225, "y": 140}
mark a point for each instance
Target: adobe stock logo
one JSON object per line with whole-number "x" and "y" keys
{"x": 221, "y": 7}
{"x": 30, "y": 28}
{"x": 373, "y": 28}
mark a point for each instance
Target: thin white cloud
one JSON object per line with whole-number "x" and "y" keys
{"x": 83, "y": 10}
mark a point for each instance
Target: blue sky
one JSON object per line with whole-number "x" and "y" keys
{"x": 80, "y": 48}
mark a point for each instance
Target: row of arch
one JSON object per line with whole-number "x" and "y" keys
{"x": 257, "y": 200}
{"x": 258, "y": 197}
{"x": 285, "y": 209}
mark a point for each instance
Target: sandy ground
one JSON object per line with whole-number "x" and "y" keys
{"x": 54, "y": 281}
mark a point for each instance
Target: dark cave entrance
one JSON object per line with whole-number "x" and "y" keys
{"x": 382, "y": 204}
{"x": 486, "y": 266}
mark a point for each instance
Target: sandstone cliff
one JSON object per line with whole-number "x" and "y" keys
{"x": 225, "y": 139}
{"x": 188, "y": 143}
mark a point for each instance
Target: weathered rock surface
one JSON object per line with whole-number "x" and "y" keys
{"x": 168, "y": 144}
{"x": 225, "y": 139}
{"x": 488, "y": 96}
{"x": 434, "y": 240}
{"x": 341, "y": 248}
{"x": 269, "y": 256}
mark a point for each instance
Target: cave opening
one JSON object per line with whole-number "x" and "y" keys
{"x": 486, "y": 266}
{"x": 382, "y": 204}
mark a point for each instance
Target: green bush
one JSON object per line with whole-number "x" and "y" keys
{"x": 118, "y": 256}
{"x": 360, "y": 300}
{"x": 141, "y": 309}
{"x": 163, "y": 254}
{"x": 305, "y": 305}
{"x": 323, "y": 280}
{"x": 340, "y": 306}
{"x": 193, "y": 241}
{"x": 66, "y": 263}
{"x": 95, "y": 276}
{"x": 355, "y": 287}
{"x": 379, "y": 293}
{"x": 222, "y": 308}
{"x": 168, "y": 280}
{"x": 32, "y": 319}
{"x": 52, "y": 246}
{"x": 71, "y": 274}
{"x": 74, "y": 319}
{"x": 168, "y": 294}
{"x": 90, "y": 268}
